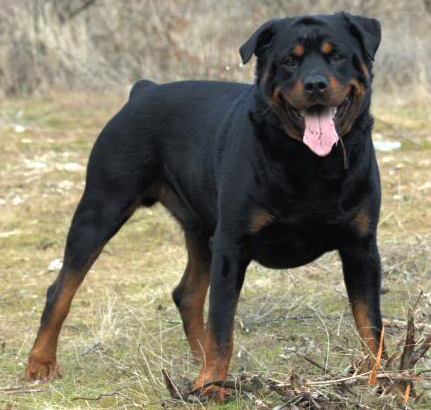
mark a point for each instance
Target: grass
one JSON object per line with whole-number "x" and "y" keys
{"x": 123, "y": 327}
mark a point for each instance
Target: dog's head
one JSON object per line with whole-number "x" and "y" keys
{"x": 314, "y": 73}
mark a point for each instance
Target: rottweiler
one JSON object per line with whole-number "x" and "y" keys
{"x": 279, "y": 172}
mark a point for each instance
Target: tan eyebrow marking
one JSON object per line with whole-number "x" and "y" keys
{"x": 326, "y": 48}
{"x": 298, "y": 50}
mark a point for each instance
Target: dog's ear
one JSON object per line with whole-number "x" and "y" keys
{"x": 259, "y": 41}
{"x": 367, "y": 31}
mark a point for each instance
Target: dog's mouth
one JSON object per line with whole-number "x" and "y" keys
{"x": 319, "y": 123}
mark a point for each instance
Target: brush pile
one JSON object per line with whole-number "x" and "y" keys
{"x": 393, "y": 381}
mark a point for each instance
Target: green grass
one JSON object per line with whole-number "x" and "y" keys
{"x": 123, "y": 327}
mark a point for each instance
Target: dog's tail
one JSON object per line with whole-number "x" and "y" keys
{"x": 139, "y": 86}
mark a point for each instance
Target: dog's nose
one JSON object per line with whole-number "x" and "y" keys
{"x": 315, "y": 84}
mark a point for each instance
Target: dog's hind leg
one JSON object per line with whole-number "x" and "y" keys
{"x": 190, "y": 294}
{"x": 114, "y": 189}
{"x": 94, "y": 223}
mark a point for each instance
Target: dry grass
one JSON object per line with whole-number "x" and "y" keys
{"x": 123, "y": 328}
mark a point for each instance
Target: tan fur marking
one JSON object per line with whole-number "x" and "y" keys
{"x": 295, "y": 97}
{"x": 333, "y": 83}
{"x": 195, "y": 282}
{"x": 215, "y": 366}
{"x": 359, "y": 89}
{"x": 364, "y": 70}
{"x": 277, "y": 94}
{"x": 362, "y": 222}
{"x": 326, "y": 48}
{"x": 364, "y": 326}
{"x": 166, "y": 196}
{"x": 42, "y": 359}
{"x": 337, "y": 92}
{"x": 260, "y": 219}
{"x": 298, "y": 50}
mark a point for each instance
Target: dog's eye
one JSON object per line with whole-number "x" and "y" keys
{"x": 289, "y": 62}
{"x": 336, "y": 56}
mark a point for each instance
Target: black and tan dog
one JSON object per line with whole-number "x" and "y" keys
{"x": 279, "y": 172}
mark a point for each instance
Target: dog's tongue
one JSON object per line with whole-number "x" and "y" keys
{"x": 320, "y": 134}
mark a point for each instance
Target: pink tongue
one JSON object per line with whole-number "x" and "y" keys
{"x": 320, "y": 134}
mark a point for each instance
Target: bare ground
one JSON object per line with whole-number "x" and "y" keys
{"x": 123, "y": 328}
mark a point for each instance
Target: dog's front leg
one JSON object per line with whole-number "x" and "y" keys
{"x": 362, "y": 275}
{"x": 228, "y": 268}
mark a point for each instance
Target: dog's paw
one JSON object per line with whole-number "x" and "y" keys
{"x": 213, "y": 393}
{"x": 42, "y": 369}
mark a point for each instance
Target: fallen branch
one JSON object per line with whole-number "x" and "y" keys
{"x": 372, "y": 379}
{"x": 23, "y": 389}
{"x": 421, "y": 351}
{"x": 314, "y": 363}
{"x": 365, "y": 377}
{"x": 172, "y": 389}
{"x": 410, "y": 342}
{"x": 407, "y": 393}
{"x": 101, "y": 396}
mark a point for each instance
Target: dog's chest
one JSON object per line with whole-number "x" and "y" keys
{"x": 287, "y": 243}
